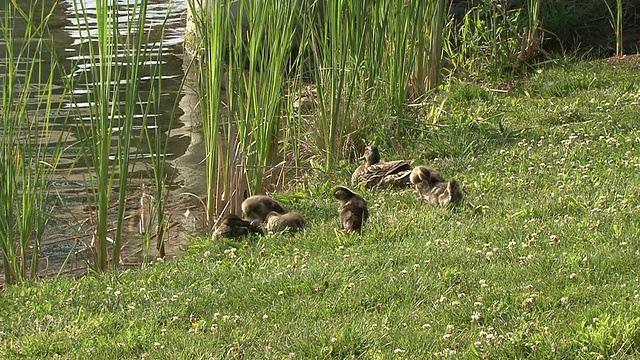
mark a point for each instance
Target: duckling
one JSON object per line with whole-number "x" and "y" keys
{"x": 425, "y": 178}
{"x": 432, "y": 187}
{"x": 233, "y": 227}
{"x": 446, "y": 193}
{"x": 255, "y": 208}
{"x": 353, "y": 211}
{"x": 291, "y": 221}
{"x": 374, "y": 173}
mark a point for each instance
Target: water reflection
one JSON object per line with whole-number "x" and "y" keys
{"x": 75, "y": 23}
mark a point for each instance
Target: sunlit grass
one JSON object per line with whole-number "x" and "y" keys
{"x": 538, "y": 262}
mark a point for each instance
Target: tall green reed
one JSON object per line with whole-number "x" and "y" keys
{"x": 256, "y": 94}
{"x": 134, "y": 53}
{"x": 411, "y": 59}
{"x": 154, "y": 201}
{"x": 345, "y": 46}
{"x": 429, "y": 47}
{"x": 102, "y": 117}
{"x": 29, "y": 149}
{"x": 338, "y": 49}
{"x": 116, "y": 56}
{"x": 616, "y": 21}
{"x": 380, "y": 49}
{"x": 532, "y": 33}
{"x": 398, "y": 35}
{"x": 245, "y": 51}
{"x": 212, "y": 28}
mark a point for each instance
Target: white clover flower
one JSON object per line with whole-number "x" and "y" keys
{"x": 450, "y": 328}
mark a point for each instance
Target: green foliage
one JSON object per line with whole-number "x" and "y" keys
{"x": 486, "y": 42}
{"x": 537, "y": 262}
{"x": 352, "y": 51}
{"x": 258, "y": 94}
{"x": 603, "y": 336}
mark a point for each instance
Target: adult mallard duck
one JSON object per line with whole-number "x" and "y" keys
{"x": 256, "y": 208}
{"x": 353, "y": 211}
{"x": 291, "y": 222}
{"x": 434, "y": 188}
{"x": 233, "y": 227}
{"x": 374, "y": 173}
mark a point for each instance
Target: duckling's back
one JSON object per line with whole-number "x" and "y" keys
{"x": 255, "y": 208}
{"x": 291, "y": 221}
{"x": 353, "y": 214}
{"x": 446, "y": 193}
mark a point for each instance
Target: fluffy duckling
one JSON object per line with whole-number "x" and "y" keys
{"x": 446, "y": 193}
{"x": 256, "y": 208}
{"x": 353, "y": 211}
{"x": 291, "y": 221}
{"x": 432, "y": 187}
{"x": 374, "y": 173}
{"x": 233, "y": 227}
{"x": 425, "y": 178}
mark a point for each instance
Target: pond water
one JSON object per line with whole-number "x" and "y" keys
{"x": 71, "y": 228}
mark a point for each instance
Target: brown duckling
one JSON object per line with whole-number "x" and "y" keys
{"x": 374, "y": 173}
{"x": 291, "y": 221}
{"x": 432, "y": 187}
{"x": 233, "y": 227}
{"x": 255, "y": 208}
{"x": 353, "y": 211}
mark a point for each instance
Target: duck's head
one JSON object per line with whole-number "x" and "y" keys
{"x": 371, "y": 155}
{"x": 342, "y": 193}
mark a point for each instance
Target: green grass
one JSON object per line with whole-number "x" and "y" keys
{"x": 540, "y": 261}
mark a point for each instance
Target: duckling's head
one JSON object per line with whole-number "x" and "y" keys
{"x": 342, "y": 193}
{"x": 232, "y": 226}
{"x": 371, "y": 154}
{"x": 271, "y": 214}
{"x": 419, "y": 174}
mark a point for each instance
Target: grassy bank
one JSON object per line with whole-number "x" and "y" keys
{"x": 540, "y": 261}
